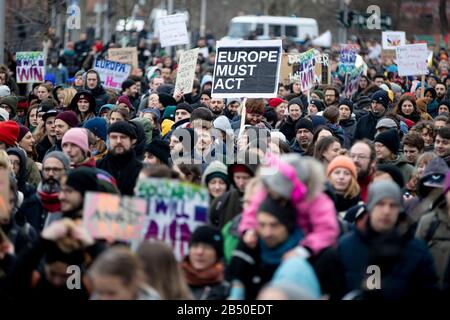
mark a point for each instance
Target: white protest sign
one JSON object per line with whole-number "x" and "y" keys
{"x": 186, "y": 71}
{"x": 247, "y": 69}
{"x": 30, "y": 67}
{"x": 127, "y": 55}
{"x": 393, "y": 39}
{"x": 172, "y": 30}
{"x": 412, "y": 59}
{"x": 112, "y": 74}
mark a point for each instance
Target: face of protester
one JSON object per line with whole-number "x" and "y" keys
{"x": 282, "y": 92}
{"x": 440, "y": 90}
{"x": 340, "y": 178}
{"x": 15, "y": 163}
{"x": 32, "y": 118}
{"x": 202, "y": 256}
{"x": 270, "y": 230}
{"x": 155, "y": 83}
{"x": 74, "y": 152}
{"x": 91, "y": 80}
{"x": 166, "y": 73}
{"x": 438, "y": 124}
{"x": 56, "y": 274}
{"x": 378, "y": 108}
{"x": 241, "y": 179}
{"x": 7, "y": 108}
{"x": 60, "y": 94}
{"x": 407, "y": 107}
{"x": 181, "y": 114}
{"x": 296, "y": 88}
{"x": 421, "y": 168}
{"x": 149, "y": 158}
{"x": 443, "y": 109}
{"x": 363, "y": 83}
{"x": 20, "y": 113}
{"x": 83, "y": 105}
{"x": 114, "y": 117}
{"x": 312, "y": 109}
{"x": 378, "y": 81}
{"x": 50, "y": 127}
{"x": 42, "y": 93}
{"x": 132, "y": 91}
{"x": 332, "y": 151}
{"x": 442, "y": 146}
{"x": 304, "y": 137}
{"x": 52, "y": 169}
{"x": 217, "y": 105}
{"x": 233, "y": 107}
{"x": 382, "y": 152}
{"x": 2, "y": 79}
{"x": 411, "y": 153}
{"x": 280, "y": 110}
{"x": 175, "y": 145}
{"x": 27, "y": 142}
{"x": 61, "y": 127}
{"x": 253, "y": 118}
{"x": 153, "y": 101}
{"x": 78, "y": 81}
{"x": 217, "y": 187}
{"x": 428, "y": 97}
{"x": 330, "y": 97}
{"x": 71, "y": 199}
{"x": 384, "y": 215}
{"x": 344, "y": 112}
{"x": 295, "y": 112}
{"x": 119, "y": 143}
{"x": 204, "y": 139}
{"x": 360, "y": 154}
{"x": 206, "y": 100}
{"x": 427, "y": 136}
{"x": 111, "y": 287}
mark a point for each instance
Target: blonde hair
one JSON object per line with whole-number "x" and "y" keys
{"x": 69, "y": 93}
{"x": 353, "y": 189}
{"x": 4, "y": 161}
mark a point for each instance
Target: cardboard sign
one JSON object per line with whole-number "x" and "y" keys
{"x": 112, "y": 74}
{"x": 5, "y": 207}
{"x": 347, "y": 58}
{"x": 124, "y": 55}
{"x": 247, "y": 69}
{"x": 186, "y": 71}
{"x": 393, "y": 39}
{"x": 305, "y": 68}
{"x": 175, "y": 210}
{"x": 109, "y": 216}
{"x": 172, "y": 30}
{"x": 30, "y": 67}
{"x": 412, "y": 59}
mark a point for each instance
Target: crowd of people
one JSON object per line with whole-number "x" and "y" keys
{"x": 309, "y": 192}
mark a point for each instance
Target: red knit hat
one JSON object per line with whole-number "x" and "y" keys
{"x": 342, "y": 162}
{"x": 125, "y": 100}
{"x": 9, "y": 132}
{"x": 275, "y": 102}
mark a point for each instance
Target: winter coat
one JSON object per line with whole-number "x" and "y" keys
{"x": 295, "y": 147}
{"x": 349, "y": 127}
{"x": 34, "y": 212}
{"x": 124, "y": 168}
{"x": 365, "y": 127}
{"x": 24, "y": 187}
{"x": 225, "y": 208}
{"x": 434, "y": 228}
{"x": 316, "y": 217}
{"x": 33, "y": 174}
{"x": 343, "y": 204}
{"x": 406, "y": 169}
{"x": 287, "y": 127}
{"x": 42, "y": 148}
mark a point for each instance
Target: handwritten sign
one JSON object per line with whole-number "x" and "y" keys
{"x": 305, "y": 68}
{"x": 30, "y": 67}
{"x": 175, "y": 210}
{"x": 112, "y": 74}
{"x": 172, "y": 30}
{"x": 393, "y": 39}
{"x": 186, "y": 71}
{"x": 412, "y": 59}
{"x": 127, "y": 55}
{"x": 109, "y": 216}
{"x": 5, "y": 207}
{"x": 347, "y": 58}
{"x": 352, "y": 83}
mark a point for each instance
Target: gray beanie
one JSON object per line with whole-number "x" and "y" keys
{"x": 58, "y": 155}
{"x": 383, "y": 189}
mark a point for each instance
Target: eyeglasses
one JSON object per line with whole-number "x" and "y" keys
{"x": 56, "y": 170}
{"x": 359, "y": 156}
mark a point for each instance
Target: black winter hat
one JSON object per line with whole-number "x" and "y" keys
{"x": 319, "y": 104}
{"x": 208, "y": 235}
{"x": 304, "y": 123}
{"x": 184, "y": 106}
{"x": 123, "y": 127}
{"x": 296, "y": 101}
{"x": 348, "y": 103}
{"x": 285, "y": 213}
{"x": 390, "y": 139}
{"x": 167, "y": 100}
{"x": 394, "y": 172}
{"x": 160, "y": 149}
{"x": 83, "y": 179}
{"x": 382, "y": 97}
{"x": 127, "y": 84}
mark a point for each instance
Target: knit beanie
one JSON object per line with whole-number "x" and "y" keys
{"x": 208, "y": 235}
{"x": 382, "y": 97}
{"x": 167, "y": 100}
{"x": 156, "y": 112}
{"x": 123, "y": 127}
{"x": 169, "y": 113}
{"x": 125, "y": 100}
{"x": 9, "y": 132}
{"x": 184, "y": 106}
{"x": 296, "y": 101}
{"x": 69, "y": 117}
{"x": 83, "y": 179}
{"x": 348, "y": 103}
{"x": 97, "y": 126}
{"x": 215, "y": 169}
{"x": 342, "y": 162}
{"x": 390, "y": 140}
{"x": 285, "y": 213}
{"x": 394, "y": 172}
{"x": 160, "y": 149}
{"x": 319, "y": 93}
{"x": 61, "y": 157}
{"x": 304, "y": 123}
{"x": 380, "y": 190}
{"x": 22, "y": 132}
{"x": 10, "y": 101}
{"x": 275, "y": 102}
{"x": 319, "y": 104}
{"x": 77, "y": 136}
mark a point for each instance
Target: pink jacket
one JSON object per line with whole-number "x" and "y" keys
{"x": 316, "y": 218}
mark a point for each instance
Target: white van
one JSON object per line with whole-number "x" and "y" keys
{"x": 269, "y": 27}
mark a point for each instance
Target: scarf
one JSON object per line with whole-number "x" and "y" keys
{"x": 209, "y": 276}
{"x": 49, "y": 201}
{"x": 273, "y": 256}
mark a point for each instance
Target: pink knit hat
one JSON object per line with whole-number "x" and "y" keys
{"x": 77, "y": 136}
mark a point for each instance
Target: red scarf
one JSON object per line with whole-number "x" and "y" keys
{"x": 209, "y": 276}
{"x": 90, "y": 163}
{"x": 50, "y": 201}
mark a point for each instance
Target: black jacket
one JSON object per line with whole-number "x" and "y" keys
{"x": 124, "y": 168}
{"x": 288, "y": 128}
{"x": 42, "y": 148}
{"x": 365, "y": 127}
{"x": 34, "y": 212}
{"x": 349, "y": 127}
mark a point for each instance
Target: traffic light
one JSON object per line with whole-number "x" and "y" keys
{"x": 340, "y": 17}
{"x": 346, "y": 20}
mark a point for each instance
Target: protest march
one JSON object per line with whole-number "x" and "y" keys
{"x": 259, "y": 168}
